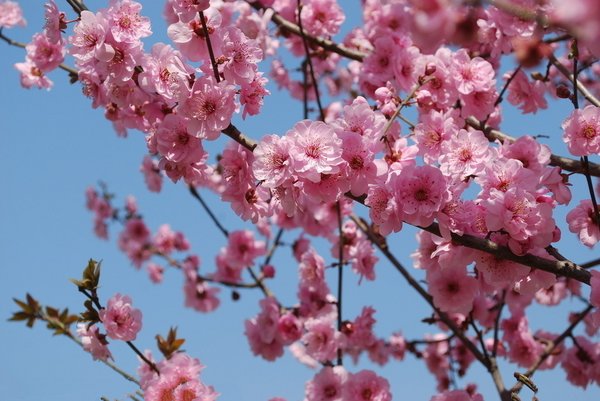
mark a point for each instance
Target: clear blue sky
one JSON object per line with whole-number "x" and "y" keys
{"x": 53, "y": 146}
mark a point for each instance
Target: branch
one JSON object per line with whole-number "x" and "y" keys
{"x": 309, "y": 61}
{"x": 564, "y": 268}
{"x": 73, "y": 74}
{"x": 44, "y": 317}
{"x": 424, "y": 294}
{"x": 580, "y": 86}
{"x": 567, "y": 164}
{"x": 340, "y": 276}
{"x": 196, "y": 195}
{"x": 552, "y": 346}
{"x": 326, "y": 44}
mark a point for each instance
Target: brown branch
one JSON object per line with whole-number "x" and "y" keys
{"x": 235, "y": 134}
{"x": 567, "y": 164}
{"x": 326, "y": 44}
{"x": 422, "y": 292}
{"x": 309, "y": 61}
{"x": 552, "y": 346}
{"x": 580, "y": 86}
{"x": 590, "y": 264}
{"x": 212, "y": 216}
{"x": 564, "y": 268}
{"x": 73, "y": 74}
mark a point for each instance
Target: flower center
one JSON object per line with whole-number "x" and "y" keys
{"x": 421, "y": 195}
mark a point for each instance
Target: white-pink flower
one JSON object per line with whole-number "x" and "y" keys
{"x": 121, "y": 320}
{"x": 582, "y": 221}
{"x": 421, "y": 192}
{"x": 582, "y": 131}
{"x": 209, "y": 107}
{"x": 366, "y": 385}
{"x": 93, "y": 342}
{"x": 315, "y": 149}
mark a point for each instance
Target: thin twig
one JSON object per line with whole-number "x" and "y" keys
{"x": 499, "y": 306}
{"x": 590, "y": 264}
{"x": 213, "y": 61}
{"x": 565, "y": 163}
{"x": 552, "y": 346}
{"x": 196, "y": 195}
{"x": 309, "y": 61}
{"x": 340, "y": 276}
{"x": 73, "y": 74}
{"x": 326, "y": 44}
{"x": 422, "y": 292}
{"x": 580, "y": 86}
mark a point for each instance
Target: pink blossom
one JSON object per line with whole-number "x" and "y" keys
{"x": 361, "y": 119}
{"x": 322, "y": 17}
{"x": 93, "y": 342}
{"x": 321, "y": 339}
{"x": 126, "y": 23}
{"x": 178, "y": 381}
{"x": 189, "y": 38}
{"x": 384, "y": 209}
{"x": 359, "y": 333}
{"x": 452, "y": 289}
{"x": 315, "y": 149}
{"x": 121, "y": 320}
{"x": 505, "y": 174}
{"x": 580, "y": 362}
{"x": 421, "y": 191}
{"x": 11, "y": 15}
{"x": 583, "y": 222}
{"x": 289, "y": 328}
{"x": 155, "y": 272}
{"x": 209, "y": 107}
{"x": 471, "y": 75}
{"x": 517, "y": 212}
{"x": 464, "y": 154}
{"x": 558, "y": 184}
{"x": 272, "y": 160}
{"x": 363, "y": 259}
{"x": 32, "y": 76}
{"x": 200, "y": 296}
{"x": 165, "y": 73}
{"x": 366, "y": 386}
{"x": 481, "y": 105}
{"x": 241, "y": 56}
{"x": 252, "y": 95}
{"x": 434, "y": 129}
{"x": 362, "y": 165}
{"x": 524, "y": 349}
{"x": 582, "y": 131}
{"x": 499, "y": 273}
{"x": 55, "y": 22}
{"x": 242, "y": 248}
{"x": 262, "y": 331}
{"x": 152, "y": 176}
{"x": 405, "y": 67}
{"x": 327, "y": 385}
{"x": 529, "y": 151}
{"x": 312, "y": 267}
{"x": 88, "y": 37}
{"x": 188, "y": 9}
{"x": 175, "y": 143}
{"x": 528, "y": 96}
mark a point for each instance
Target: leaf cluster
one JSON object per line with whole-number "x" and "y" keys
{"x": 171, "y": 345}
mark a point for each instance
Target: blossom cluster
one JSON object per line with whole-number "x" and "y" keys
{"x": 451, "y": 174}
{"x": 120, "y": 320}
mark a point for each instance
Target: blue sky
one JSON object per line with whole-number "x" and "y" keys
{"x": 54, "y": 146}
